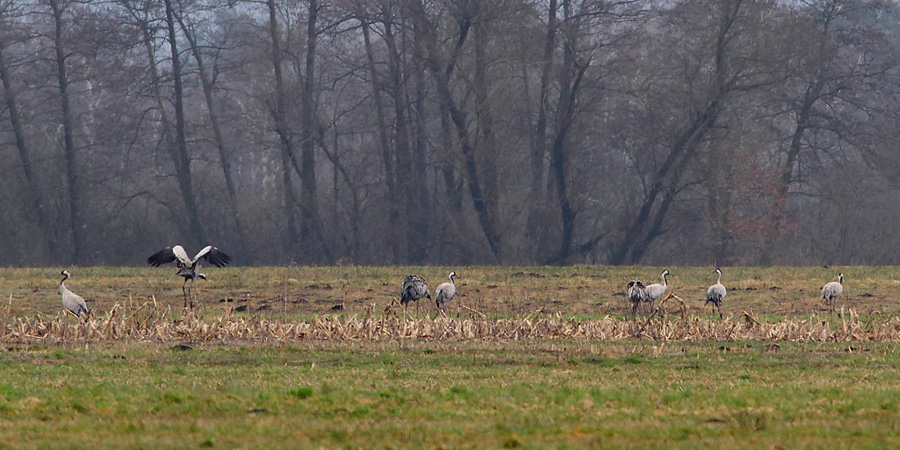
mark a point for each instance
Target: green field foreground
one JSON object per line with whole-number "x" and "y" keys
{"x": 265, "y": 361}
{"x": 541, "y": 394}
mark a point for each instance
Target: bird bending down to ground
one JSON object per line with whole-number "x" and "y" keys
{"x": 71, "y": 301}
{"x": 831, "y": 291}
{"x": 716, "y": 293}
{"x": 189, "y": 268}
{"x": 413, "y": 289}
{"x": 656, "y": 290}
{"x": 636, "y": 293}
{"x": 445, "y": 292}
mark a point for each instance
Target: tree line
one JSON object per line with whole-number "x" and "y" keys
{"x": 451, "y": 131}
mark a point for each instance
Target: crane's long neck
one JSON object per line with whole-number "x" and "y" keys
{"x": 65, "y": 277}
{"x": 665, "y": 279}
{"x": 719, "y": 281}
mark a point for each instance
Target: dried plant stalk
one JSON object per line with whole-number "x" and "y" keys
{"x": 152, "y": 322}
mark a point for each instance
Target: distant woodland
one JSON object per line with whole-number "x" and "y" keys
{"x": 451, "y": 132}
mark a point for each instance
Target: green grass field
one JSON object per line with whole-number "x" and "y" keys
{"x": 453, "y": 395}
{"x": 432, "y": 393}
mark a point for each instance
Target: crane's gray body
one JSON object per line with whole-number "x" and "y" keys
{"x": 716, "y": 293}
{"x": 445, "y": 292}
{"x": 72, "y": 302}
{"x": 831, "y": 291}
{"x": 636, "y": 293}
{"x": 412, "y": 289}
{"x": 656, "y": 290}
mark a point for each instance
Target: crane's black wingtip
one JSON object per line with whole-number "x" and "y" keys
{"x": 218, "y": 258}
{"x": 161, "y": 257}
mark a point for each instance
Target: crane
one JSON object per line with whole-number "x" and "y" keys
{"x": 716, "y": 293}
{"x": 831, "y": 291}
{"x": 72, "y": 302}
{"x": 636, "y": 293}
{"x": 412, "y": 289}
{"x": 656, "y": 290}
{"x": 445, "y": 292}
{"x": 189, "y": 268}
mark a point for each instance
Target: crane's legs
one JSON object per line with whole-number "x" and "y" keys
{"x": 186, "y": 291}
{"x": 190, "y": 293}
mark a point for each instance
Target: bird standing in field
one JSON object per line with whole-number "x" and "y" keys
{"x": 636, "y": 293}
{"x": 72, "y": 302}
{"x": 413, "y": 288}
{"x": 831, "y": 291}
{"x": 189, "y": 268}
{"x": 656, "y": 290}
{"x": 716, "y": 293}
{"x": 445, "y": 292}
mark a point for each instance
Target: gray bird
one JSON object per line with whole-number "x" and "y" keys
{"x": 636, "y": 293}
{"x": 412, "y": 289}
{"x": 71, "y": 301}
{"x": 189, "y": 268}
{"x": 445, "y": 292}
{"x": 656, "y": 290}
{"x": 831, "y": 291}
{"x": 716, "y": 293}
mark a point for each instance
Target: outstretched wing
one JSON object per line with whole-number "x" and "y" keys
{"x": 214, "y": 256}
{"x": 166, "y": 255}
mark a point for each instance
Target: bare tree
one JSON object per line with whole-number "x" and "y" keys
{"x": 224, "y": 152}
{"x": 34, "y": 190}
{"x": 76, "y": 229}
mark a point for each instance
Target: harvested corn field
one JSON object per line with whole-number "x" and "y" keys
{"x": 284, "y": 304}
{"x": 152, "y": 323}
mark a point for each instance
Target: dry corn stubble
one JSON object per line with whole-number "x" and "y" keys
{"x": 151, "y": 321}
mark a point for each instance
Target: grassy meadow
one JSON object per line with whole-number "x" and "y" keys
{"x": 453, "y": 395}
{"x": 64, "y": 384}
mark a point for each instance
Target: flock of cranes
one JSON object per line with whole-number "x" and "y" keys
{"x": 413, "y": 287}
{"x": 637, "y": 293}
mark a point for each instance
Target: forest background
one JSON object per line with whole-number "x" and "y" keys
{"x": 387, "y": 132}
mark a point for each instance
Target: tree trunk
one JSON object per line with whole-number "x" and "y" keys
{"x": 32, "y": 183}
{"x": 423, "y": 211}
{"x": 414, "y": 239}
{"x": 143, "y": 22}
{"x": 570, "y": 77}
{"x": 786, "y": 175}
{"x": 74, "y": 184}
{"x": 311, "y": 232}
{"x": 647, "y": 225}
{"x": 537, "y": 234}
{"x": 281, "y": 129}
{"x": 442, "y": 72}
{"x": 484, "y": 121}
{"x": 224, "y": 153}
{"x": 395, "y": 238}
{"x": 179, "y": 153}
